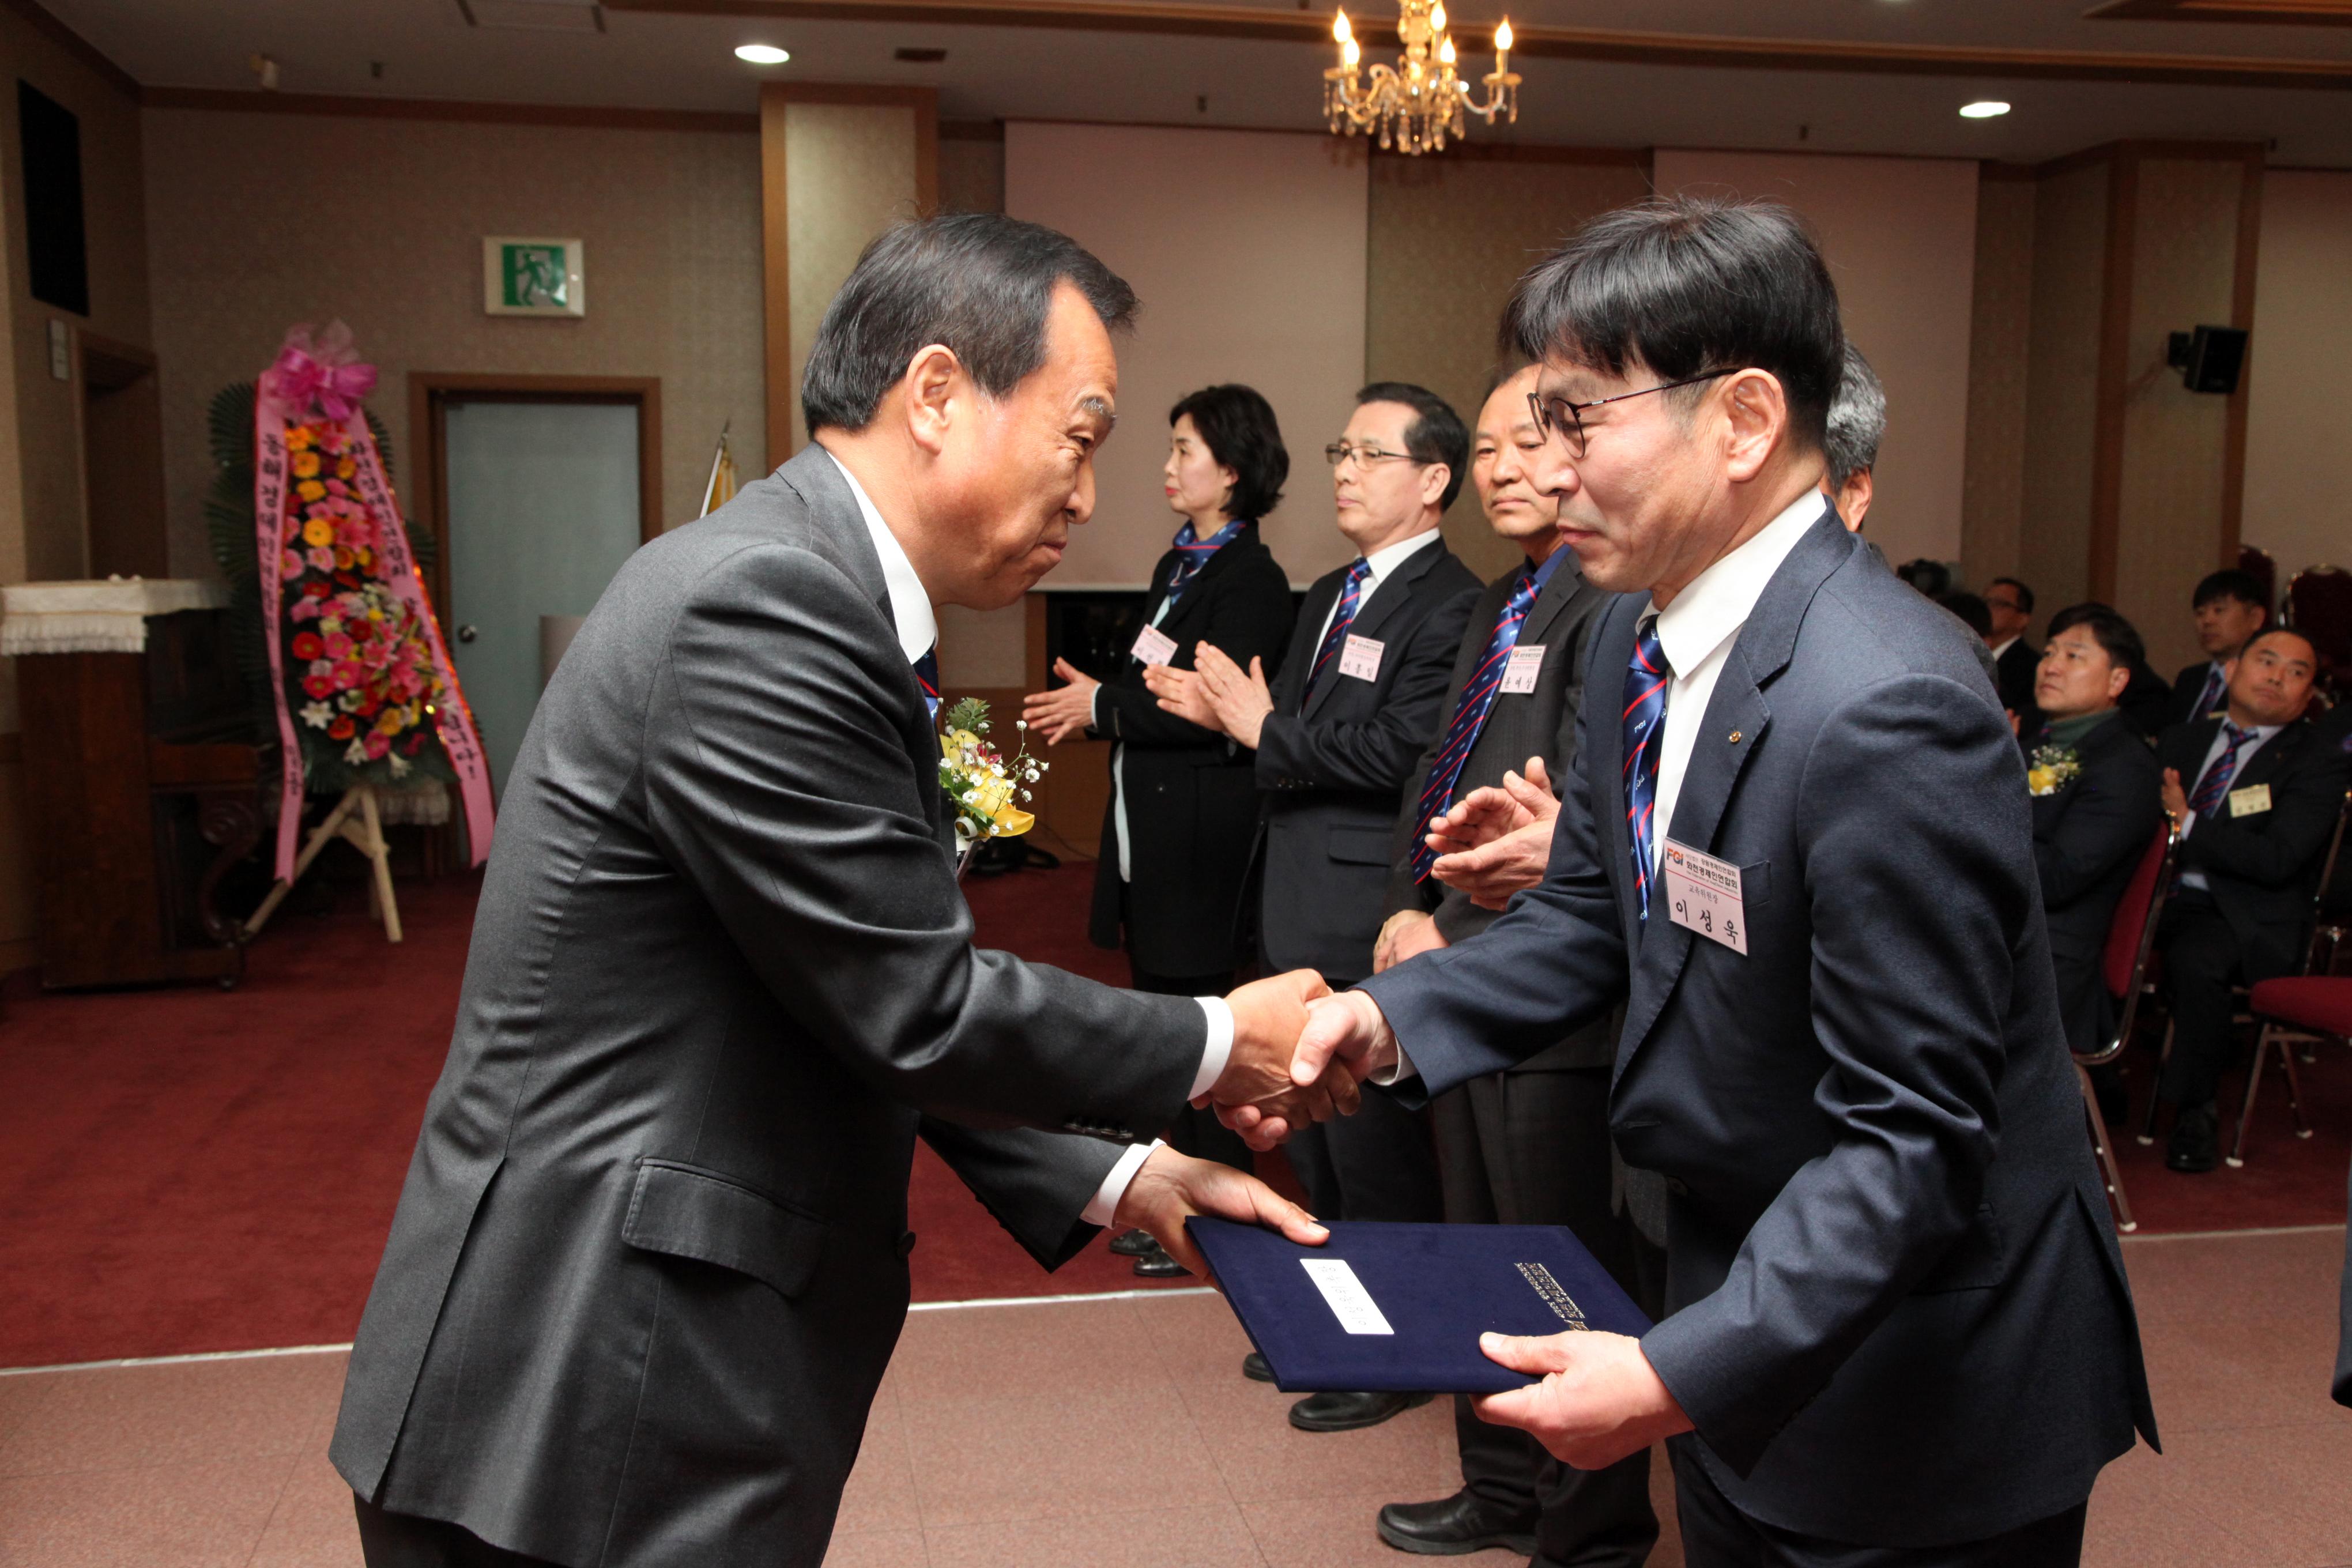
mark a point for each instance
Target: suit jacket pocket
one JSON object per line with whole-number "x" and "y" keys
{"x": 1978, "y": 1261}
{"x": 685, "y": 1211}
{"x": 1359, "y": 845}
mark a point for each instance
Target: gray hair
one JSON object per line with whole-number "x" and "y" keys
{"x": 1857, "y": 420}
{"x": 980, "y": 284}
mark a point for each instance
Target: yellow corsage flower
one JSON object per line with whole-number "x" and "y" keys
{"x": 2052, "y": 770}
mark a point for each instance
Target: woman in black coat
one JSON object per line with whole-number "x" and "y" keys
{"x": 1183, "y": 811}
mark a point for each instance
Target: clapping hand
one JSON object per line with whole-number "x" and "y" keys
{"x": 1494, "y": 842}
{"x": 1216, "y": 694}
{"x": 1168, "y": 1187}
{"x": 2176, "y": 799}
{"x": 1600, "y": 1399}
{"x": 1260, "y": 1082}
{"x": 1066, "y": 710}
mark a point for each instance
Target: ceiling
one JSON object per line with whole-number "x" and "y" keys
{"x": 1871, "y": 75}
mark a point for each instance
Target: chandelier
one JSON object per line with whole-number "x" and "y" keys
{"x": 1419, "y": 102}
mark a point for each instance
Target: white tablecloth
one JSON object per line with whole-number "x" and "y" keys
{"x": 96, "y": 617}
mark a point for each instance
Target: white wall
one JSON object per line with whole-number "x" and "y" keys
{"x": 2298, "y": 422}
{"x": 1899, "y": 234}
{"x": 1248, "y": 251}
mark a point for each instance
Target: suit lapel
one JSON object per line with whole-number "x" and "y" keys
{"x": 1394, "y": 591}
{"x": 1290, "y": 686}
{"x": 1760, "y": 650}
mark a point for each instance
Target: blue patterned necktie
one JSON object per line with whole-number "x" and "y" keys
{"x": 1342, "y": 617}
{"x": 926, "y": 676}
{"x": 1646, "y": 679}
{"x": 2210, "y": 699}
{"x": 2211, "y": 788}
{"x": 1478, "y": 695}
{"x": 1193, "y": 553}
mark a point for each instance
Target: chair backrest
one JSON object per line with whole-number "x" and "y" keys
{"x": 2329, "y": 862}
{"x": 2131, "y": 934}
{"x": 2319, "y": 603}
{"x": 2256, "y": 563}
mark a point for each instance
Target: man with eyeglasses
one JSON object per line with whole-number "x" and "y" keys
{"x": 1796, "y": 846}
{"x": 2016, "y": 660}
{"x": 1338, "y": 734}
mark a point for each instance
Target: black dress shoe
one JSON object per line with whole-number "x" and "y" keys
{"x": 1350, "y": 1411}
{"x": 1136, "y": 1243}
{"x": 1451, "y": 1526}
{"x": 1254, "y": 1368}
{"x": 2195, "y": 1147}
{"x": 1157, "y": 1265}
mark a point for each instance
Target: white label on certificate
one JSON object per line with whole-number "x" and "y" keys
{"x": 1520, "y": 674}
{"x": 1361, "y": 657}
{"x": 1346, "y": 1296}
{"x": 2254, "y": 798}
{"x": 1153, "y": 646}
{"x": 1703, "y": 893}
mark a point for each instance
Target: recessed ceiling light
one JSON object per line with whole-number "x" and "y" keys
{"x": 1985, "y": 109}
{"x": 769, "y": 54}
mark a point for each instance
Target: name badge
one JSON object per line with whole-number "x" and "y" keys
{"x": 1703, "y": 893}
{"x": 1153, "y": 646}
{"x": 1346, "y": 1296}
{"x": 1361, "y": 657}
{"x": 1520, "y": 674}
{"x": 2250, "y": 800}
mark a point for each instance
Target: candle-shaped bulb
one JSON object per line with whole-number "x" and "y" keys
{"x": 1341, "y": 31}
{"x": 1445, "y": 51}
{"x": 1437, "y": 18}
{"x": 1350, "y": 54}
{"x": 1503, "y": 37}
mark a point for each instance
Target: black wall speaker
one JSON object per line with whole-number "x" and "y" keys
{"x": 2208, "y": 359}
{"x": 57, "y": 260}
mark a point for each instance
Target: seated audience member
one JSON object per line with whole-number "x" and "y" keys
{"x": 2231, "y": 608}
{"x": 2017, "y": 662}
{"x": 1932, "y": 578}
{"x": 1971, "y": 610}
{"x": 1170, "y": 873}
{"x": 2097, "y": 803}
{"x": 1857, "y": 425}
{"x": 2256, "y": 791}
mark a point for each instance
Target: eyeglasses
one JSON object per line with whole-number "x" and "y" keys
{"x": 1339, "y": 452}
{"x": 1558, "y": 416}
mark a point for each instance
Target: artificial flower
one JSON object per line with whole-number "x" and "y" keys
{"x": 310, "y": 490}
{"x": 318, "y": 715}
{"x": 307, "y": 646}
{"x": 342, "y": 727}
{"x": 318, "y": 686}
{"x": 318, "y": 530}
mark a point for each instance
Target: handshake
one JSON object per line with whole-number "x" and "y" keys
{"x": 1298, "y": 1053}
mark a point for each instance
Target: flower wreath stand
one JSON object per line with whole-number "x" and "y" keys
{"x": 357, "y": 818}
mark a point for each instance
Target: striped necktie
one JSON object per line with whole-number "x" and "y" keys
{"x": 1342, "y": 617}
{"x": 926, "y": 676}
{"x": 1478, "y": 695}
{"x": 2212, "y": 697}
{"x": 2210, "y": 788}
{"x": 1646, "y": 679}
{"x": 1193, "y": 553}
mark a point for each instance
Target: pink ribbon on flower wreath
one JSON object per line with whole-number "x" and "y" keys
{"x": 326, "y": 374}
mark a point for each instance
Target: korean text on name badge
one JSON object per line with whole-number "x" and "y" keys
{"x": 1703, "y": 893}
{"x": 1153, "y": 646}
{"x": 1361, "y": 657}
{"x": 1520, "y": 674}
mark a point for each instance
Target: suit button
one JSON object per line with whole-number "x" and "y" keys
{"x": 906, "y": 1244}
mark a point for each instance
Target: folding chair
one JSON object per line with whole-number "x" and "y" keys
{"x": 2302, "y": 1010}
{"x": 2131, "y": 938}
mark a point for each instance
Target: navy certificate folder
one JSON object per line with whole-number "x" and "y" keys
{"x": 1401, "y": 1306}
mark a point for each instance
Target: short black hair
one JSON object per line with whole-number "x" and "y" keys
{"x": 1688, "y": 285}
{"x": 1238, "y": 428}
{"x": 2108, "y": 629}
{"x": 1436, "y": 434}
{"x": 2024, "y": 594}
{"x": 2230, "y": 583}
{"x": 979, "y": 283}
{"x": 1857, "y": 421}
{"x": 2269, "y": 632}
{"x": 1972, "y": 610}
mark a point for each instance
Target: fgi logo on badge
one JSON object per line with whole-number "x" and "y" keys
{"x": 1703, "y": 893}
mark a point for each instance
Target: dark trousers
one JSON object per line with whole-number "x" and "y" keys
{"x": 1195, "y": 1133}
{"x": 2202, "y": 962}
{"x": 406, "y": 1540}
{"x": 1718, "y": 1535}
{"x": 1532, "y": 1148}
{"x": 1376, "y": 1164}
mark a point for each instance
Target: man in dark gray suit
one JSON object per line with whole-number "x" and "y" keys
{"x": 1336, "y": 734}
{"x": 1529, "y": 1146}
{"x": 1796, "y": 848}
{"x": 651, "y": 1256}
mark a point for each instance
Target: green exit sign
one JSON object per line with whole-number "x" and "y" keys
{"x": 525, "y": 276}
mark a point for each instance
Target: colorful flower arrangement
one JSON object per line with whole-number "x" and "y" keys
{"x": 985, "y": 785}
{"x": 2053, "y": 769}
{"x": 359, "y": 670}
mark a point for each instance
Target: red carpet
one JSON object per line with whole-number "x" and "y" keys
{"x": 189, "y": 1169}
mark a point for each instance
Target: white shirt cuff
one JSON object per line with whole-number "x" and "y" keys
{"x": 1094, "y": 709}
{"x": 1220, "y": 1047}
{"x": 1397, "y": 1071}
{"x": 1114, "y": 1187}
{"x": 2188, "y": 823}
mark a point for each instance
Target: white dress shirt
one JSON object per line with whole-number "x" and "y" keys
{"x": 2260, "y": 734}
{"x": 1697, "y": 631}
{"x": 2002, "y": 648}
{"x": 917, "y": 628}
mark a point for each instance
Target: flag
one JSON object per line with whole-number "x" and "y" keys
{"x": 721, "y": 489}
